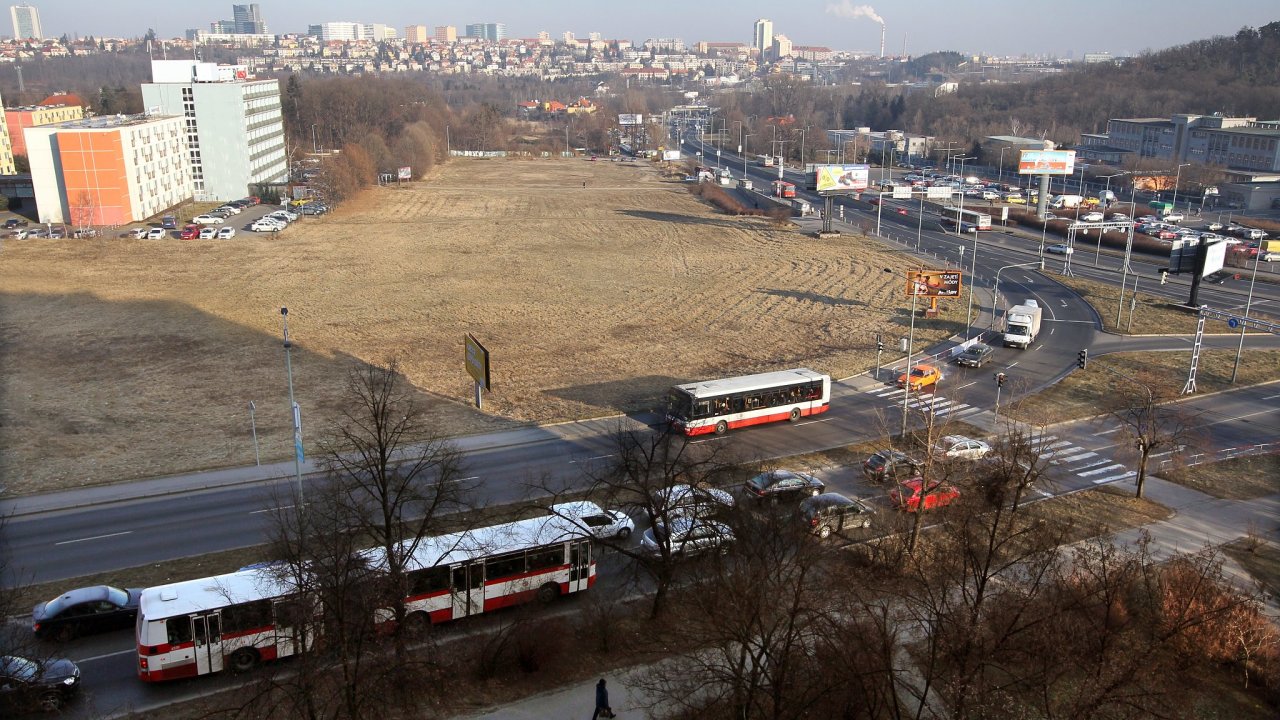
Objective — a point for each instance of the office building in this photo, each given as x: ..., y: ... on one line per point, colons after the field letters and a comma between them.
x: 446, y: 33
x: 338, y: 31
x: 26, y: 22
x: 487, y: 31
x: 21, y: 118
x: 108, y: 170
x: 417, y: 33
x: 248, y: 20
x: 763, y: 42
x: 233, y: 124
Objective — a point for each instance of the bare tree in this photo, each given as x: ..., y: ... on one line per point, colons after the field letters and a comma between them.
x: 1150, y: 423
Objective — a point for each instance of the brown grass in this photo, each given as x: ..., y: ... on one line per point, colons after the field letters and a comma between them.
x: 1098, y: 511
x: 1243, y: 478
x: 1084, y: 393
x: 126, y: 358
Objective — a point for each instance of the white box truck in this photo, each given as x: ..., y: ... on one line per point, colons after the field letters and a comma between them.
x: 1065, y: 201
x: 1022, y: 324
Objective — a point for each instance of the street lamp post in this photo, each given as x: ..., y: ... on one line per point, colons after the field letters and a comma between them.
x: 1247, y: 303
x: 1000, y: 168
x: 744, y: 154
x: 973, y: 261
x: 293, y: 406
x: 314, y: 147
x: 1177, y: 176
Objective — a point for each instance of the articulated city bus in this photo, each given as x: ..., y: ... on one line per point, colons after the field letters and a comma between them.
x: 237, y: 620
x: 720, y: 405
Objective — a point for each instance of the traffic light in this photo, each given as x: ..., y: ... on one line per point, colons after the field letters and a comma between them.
x: 1000, y: 379
x: 879, y: 346
x: 1082, y: 359
x: 1164, y: 276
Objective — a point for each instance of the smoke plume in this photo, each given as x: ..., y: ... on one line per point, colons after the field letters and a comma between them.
x: 848, y: 10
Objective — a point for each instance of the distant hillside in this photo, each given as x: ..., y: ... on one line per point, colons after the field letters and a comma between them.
x: 1238, y: 76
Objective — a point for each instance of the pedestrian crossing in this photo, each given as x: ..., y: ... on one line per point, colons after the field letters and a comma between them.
x: 1063, y: 455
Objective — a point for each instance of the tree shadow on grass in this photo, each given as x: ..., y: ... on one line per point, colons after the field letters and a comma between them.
x: 681, y: 219
x: 813, y: 297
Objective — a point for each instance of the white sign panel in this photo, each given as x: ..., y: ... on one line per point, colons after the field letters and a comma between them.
x: 901, y: 192
x: 630, y: 119
x: 939, y: 193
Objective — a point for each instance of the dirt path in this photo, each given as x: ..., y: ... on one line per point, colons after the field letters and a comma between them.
x: 127, y: 358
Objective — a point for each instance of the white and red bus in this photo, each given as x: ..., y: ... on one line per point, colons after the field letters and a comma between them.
x: 783, y: 189
x: 237, y: 620
x: 967, y: 218
x: 720, y: 405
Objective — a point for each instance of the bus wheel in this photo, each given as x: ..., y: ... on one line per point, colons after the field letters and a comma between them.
x: 548, y: 593
x: 722, y: 427
x: 243, y: 660
x: 795, y: 414
x: 416, y: 625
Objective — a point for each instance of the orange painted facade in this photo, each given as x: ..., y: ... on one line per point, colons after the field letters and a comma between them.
x: 19, y: 118
x: 94, y: 175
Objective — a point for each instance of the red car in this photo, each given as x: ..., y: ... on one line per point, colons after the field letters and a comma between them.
x: 907, y: 495
x: 190, y: 232
x: 902, y: 211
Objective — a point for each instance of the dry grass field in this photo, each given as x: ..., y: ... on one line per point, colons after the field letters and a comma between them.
x: 124, y: 359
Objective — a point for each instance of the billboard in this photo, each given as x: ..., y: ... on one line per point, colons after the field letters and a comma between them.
x: 477, y: 359
x: 901, y: 192
x: 404, y: 173
x: 629, y: 119
x: 1047, y: 162
x: 670, y: 154
x: 841, y: 178
x: 933, y: 283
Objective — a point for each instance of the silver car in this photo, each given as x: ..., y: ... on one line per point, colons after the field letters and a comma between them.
x: 682, y: 499
x: 686, y: 536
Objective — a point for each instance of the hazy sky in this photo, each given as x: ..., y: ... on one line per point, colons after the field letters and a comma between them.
x: 974, y: 26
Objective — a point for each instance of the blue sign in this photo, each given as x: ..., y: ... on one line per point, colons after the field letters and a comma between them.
x: 1233, y: 323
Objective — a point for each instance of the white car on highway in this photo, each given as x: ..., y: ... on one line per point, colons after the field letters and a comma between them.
x: 1091, y: 217
x: 1059, y: 249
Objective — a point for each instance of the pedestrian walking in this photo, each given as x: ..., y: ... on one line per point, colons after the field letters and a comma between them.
x: 602, y: 702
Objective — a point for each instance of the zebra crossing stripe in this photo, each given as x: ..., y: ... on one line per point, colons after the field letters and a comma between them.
x: 968, y: 411
x: 887, y: 393
x: 1113, y: 478
x: 1099, y: 471
x: 1095, y: 464
x: 1074, y: 458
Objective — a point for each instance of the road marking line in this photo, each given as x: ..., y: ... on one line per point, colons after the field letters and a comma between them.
x: 1074, y: 458
x: 809, y: 422
x: 95, y: 537
x: 1094, y: 464
x: 1106, y: 432
x: 571, y: 462
x: 108, y: 655
x: 1109, y: 468
x: 1113, y: 478
x: 266, y: 510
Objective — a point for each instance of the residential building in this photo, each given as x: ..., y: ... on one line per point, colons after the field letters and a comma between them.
x: 341, y: 31
x: 248, y: 20
x: 108, y: 170
x: 417, y: 34
x: 763, y: 35
x: 446, y: 33
x: 20, y: 118
x: 492, y: 32
x: 26, y: 22
x: 233, y: 124
x: 781, y: 46
x: 6, y: 148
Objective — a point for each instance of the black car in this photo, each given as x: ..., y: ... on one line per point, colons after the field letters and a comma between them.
x: 86, y: 610
x: 779, y: 483
x: 37, y: 684
x: 834, y: 513
x: 890, y: 465
x: 1218, y: 277
x: 975, y: 355
x: 12, y: 223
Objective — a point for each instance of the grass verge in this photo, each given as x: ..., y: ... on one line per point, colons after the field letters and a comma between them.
x: 1242, y: 478
x: 1084, y: 393
x: 1260, y: 559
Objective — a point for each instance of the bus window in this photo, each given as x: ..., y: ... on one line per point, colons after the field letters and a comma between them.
x: 246, y: 616
x: 551, y: 557
x: 178, y: 630
x: 430, y: 580
x: 504, y: 565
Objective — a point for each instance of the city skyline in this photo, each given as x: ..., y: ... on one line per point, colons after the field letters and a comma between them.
x: 1000, y: 27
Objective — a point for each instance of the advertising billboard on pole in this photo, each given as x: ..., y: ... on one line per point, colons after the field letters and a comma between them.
x: 1047, y: 162
x: 933, y: 283
x: 477, y: 360
x: 841, y: 178
x: 630, y: 119
x: 670, y: 155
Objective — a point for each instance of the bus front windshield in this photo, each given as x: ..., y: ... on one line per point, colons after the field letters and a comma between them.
x: 679, y: 405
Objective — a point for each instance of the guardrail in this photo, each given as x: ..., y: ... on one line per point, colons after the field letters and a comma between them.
x: 1268, y: 448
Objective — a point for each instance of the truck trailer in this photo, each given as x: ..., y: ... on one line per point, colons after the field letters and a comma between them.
x: 1022, y: 324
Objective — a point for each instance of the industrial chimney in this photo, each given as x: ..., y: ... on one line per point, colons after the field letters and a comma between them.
x: 881, y: 41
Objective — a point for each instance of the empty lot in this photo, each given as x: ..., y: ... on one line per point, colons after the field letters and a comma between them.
x: 125, y: 359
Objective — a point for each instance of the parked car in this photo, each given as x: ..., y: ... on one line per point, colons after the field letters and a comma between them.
x: 27, y: 684
x: 157, y: 233
x: 262, y: 226
x: 57, y: 232
x: 19, y: 234
x: 834, y: 513
x: 1091, y: 217
x: 84, y: 233
x: 976, y: 355
x: 37, y: 232
x: 1270, y: 257
x: 1174, y: 218
x: 597, y: 521
x: 921, y: 376
x: 207, y: 220
x: 1218, y: 277
x: 889, y: 465
x: 208, y: 233
x: 135, y: 233
x: 960, y: 447
x: 253, y: 200
x: 682, y: 499
x: 279, y: 216
x: 1118, y: 217
x: 686, y: 536
x: 1214, y: 226
x: 12, y: 223
x: 907, y: 495
x: 169, y: 222
x: 288, y: 215
x: 1059, y: 249
x: 86, y: 610
x: 782, y: 483
x: 190, y: 232
x: 230, y: 209
x: 226, y: 232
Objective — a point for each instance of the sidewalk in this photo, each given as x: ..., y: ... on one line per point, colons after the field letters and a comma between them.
x: 1199, y: 519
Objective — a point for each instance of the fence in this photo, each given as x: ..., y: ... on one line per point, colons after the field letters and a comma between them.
x: 1269, y: 448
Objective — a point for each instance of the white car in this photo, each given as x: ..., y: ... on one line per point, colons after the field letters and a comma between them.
x: 681, y: 499
x: 1091, y: 217
x: 286, y: 214
x: 266, y: 226
x: 207, y: 220
x: 1214, y: 226
x: 208, y: 233
x: 600, y: 523
x: 280, y: 217
x: 1174, y: 218
x: 962, y: 448
x: 230, y: 209
x: 157, y: 234
x: 19, y: 234
x: 1119, y: 217
x: 1059, y: 249
x: 226, y: 233
x: 1270, y: 257
x: 138, y: 233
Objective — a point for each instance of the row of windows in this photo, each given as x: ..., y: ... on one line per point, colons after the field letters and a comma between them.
x: 286, y: 612
x: 435, y: 579
x: 773, y: 397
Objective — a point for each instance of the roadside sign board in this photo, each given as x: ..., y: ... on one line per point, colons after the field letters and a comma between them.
x: 841, y: 178
x: 1047, y: 162
x: 939, y: 193
x: 477, y: 359
x: 933, y: 283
